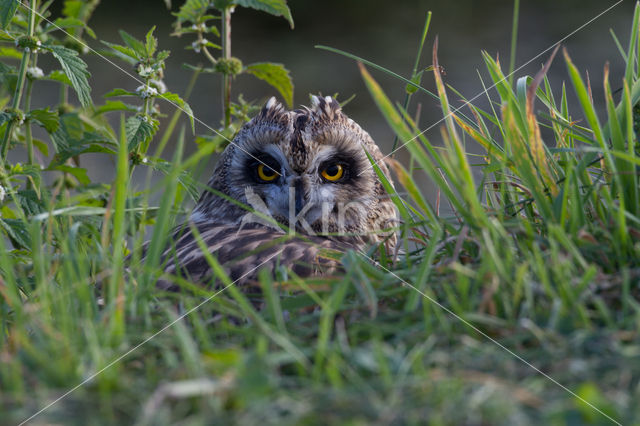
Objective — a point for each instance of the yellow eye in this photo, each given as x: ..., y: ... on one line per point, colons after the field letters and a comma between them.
x: 333, y: 173
x: 266, y: 173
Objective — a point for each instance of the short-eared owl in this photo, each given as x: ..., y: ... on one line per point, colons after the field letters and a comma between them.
x: 291, y: 184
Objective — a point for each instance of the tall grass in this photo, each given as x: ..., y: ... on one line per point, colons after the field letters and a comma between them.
x: 540, y: 253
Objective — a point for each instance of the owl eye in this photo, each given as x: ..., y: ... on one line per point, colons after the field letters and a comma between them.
x: 333, y: 172
x: 266, y: 173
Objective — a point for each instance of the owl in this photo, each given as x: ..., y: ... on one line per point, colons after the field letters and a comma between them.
x: 291, y: 189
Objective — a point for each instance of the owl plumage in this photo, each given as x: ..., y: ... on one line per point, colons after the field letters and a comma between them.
x: 290, y: 186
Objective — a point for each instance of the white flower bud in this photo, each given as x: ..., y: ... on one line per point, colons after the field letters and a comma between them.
x: 146, y: 91
x: 158, y: 84
x: 35, y: 72
x: 145, y: 71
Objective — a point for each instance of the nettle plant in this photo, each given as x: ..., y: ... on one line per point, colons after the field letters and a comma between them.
x: 44, y: 183
x: 199, y: 18
x: 28, y: 32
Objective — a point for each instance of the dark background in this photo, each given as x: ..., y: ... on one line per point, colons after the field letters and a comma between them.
x: 384, y: 32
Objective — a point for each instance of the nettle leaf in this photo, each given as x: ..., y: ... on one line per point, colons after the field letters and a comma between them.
x: 136, y: 45
x: 58, y: 76
x: 47, y: 119
x: 110, y: 106
x: 4, y: 117
x: 42, y: 146
x: 17, y: 232
x: 64, y: 23
x: 69, y: 133
x: 139, y: 130
x: 119, y: 92
x: 273, y: 7
x: 31, y: 171
x: 222, y: 4
x: 276, y: 75
x: 192, y: 10
x: 71, y: 140
x: 7, y: 10
x: 77, y: 172
x: 72, y: 151
x: 151, y: 43
x: 162, y: 55
x: 123, y: 52
x: 180, y: 103
x: 72, y: 8
x: 76, y: 69
x: 10, y: 52
x: 70, y: 24
x: 30, y: 201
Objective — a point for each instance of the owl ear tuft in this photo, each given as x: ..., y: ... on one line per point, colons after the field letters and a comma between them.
x: 325, y: 107
x: 271, y: 110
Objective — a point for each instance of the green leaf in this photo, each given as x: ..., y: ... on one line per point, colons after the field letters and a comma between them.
x: 30, y: 201
x: 136, y: 45
x: 64, y: 23
x: 192, y: 10
x: 72, y: 151
x: 276, y: 75
x: 139, y: 130
x: 72, y: 8
x: 123, y: 52
x: 76, y: 69
x: 114, y: 106
x: 222, y: 4
x: 10, y: 52
x: 42, y: 147
x: 7, y: 10
x: 71, y: 140
x: 47, y: 119
x: 17, y: 232
x: 151, y: 43
x: 77, y: 172
x: 180, y: 103
x: 31, y: 171
x: 58, y: 76
x: 119, y: 92
x: 273, y: 7
x: 4, y: 117
x: 70, y: 132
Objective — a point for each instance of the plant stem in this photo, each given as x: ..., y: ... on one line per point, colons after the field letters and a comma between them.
x: 20, y: 84
x: 27, y: 108
x: 226, y: 54
x: 28, y: 135
x: 514, y: 39
x: 16, y: 102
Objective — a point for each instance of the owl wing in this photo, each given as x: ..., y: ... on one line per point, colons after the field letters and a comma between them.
x: 243, y: 252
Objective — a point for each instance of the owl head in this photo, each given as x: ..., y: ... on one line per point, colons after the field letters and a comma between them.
x: 307, y: 169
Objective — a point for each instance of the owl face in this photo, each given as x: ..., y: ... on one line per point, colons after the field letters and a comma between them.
x: 308, y: 169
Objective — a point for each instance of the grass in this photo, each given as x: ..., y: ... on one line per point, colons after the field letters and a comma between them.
x: 540, y: 255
